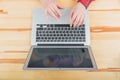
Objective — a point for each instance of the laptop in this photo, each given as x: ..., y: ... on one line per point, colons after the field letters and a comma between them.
x: 57, y: 46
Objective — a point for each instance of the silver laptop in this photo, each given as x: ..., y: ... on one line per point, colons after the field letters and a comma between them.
x: 57, y: 46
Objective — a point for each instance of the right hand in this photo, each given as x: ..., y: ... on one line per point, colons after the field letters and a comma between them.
x: 51, y: 8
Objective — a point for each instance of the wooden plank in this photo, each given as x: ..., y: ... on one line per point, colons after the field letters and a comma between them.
x: 66, y: 75
x: 13, y: 55
x: 113, y: 4
x: 105, y: 36
x: 15, y: 22
x: 106, y: 53
x: 107, y: 70
x: 15, y: 35
x: 118, y: 75
x: 14, y: 48
x: 15, y: 40
x: 3, y: 12
x: 16, y: 66
x: 19, y: 29
x: 105, y: 5
x: 104, y: 29
x: 16, y: 61
x: 103, y: 18
x: 97, y: 18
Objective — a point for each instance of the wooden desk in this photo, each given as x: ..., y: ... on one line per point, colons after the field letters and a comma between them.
x: 15, y: 38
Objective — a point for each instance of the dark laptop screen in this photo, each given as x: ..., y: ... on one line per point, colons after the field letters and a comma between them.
x: 60, y: 58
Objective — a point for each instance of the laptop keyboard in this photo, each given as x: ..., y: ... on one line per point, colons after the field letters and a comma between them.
x: 60, y: 33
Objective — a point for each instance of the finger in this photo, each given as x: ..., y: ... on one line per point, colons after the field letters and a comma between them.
x: 76, y: 21
x: 73, y: 19
x: 51, y: 13
x: 71, y: 15
x: 46, y: 14
x: 70, y: 22
x: 81, y: 21
x: 57, y: 11
x: 60, y: 6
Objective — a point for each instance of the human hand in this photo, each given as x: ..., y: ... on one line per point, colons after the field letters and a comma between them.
x: 77, y: 15
x: 51, y: 8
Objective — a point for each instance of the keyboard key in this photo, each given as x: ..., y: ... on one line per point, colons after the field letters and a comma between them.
x: 56, y: 37
x: 59, y: 37
x: 38, y: 38
x: 52, y: 37
x: 45, y: 37
x: 53, y: 31
x: 63, y: 38
x: 39, y: 29
x: 49, y: 37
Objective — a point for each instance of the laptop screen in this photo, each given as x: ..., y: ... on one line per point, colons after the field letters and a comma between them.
x: 60, y: 58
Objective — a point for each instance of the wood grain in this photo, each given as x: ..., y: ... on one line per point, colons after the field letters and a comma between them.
x: 15, y: 41
x: 12, y: 61
x: 59, y: 75
x: 16, y: 55
x: 92, y: 29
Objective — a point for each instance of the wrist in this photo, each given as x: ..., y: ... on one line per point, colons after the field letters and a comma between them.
x: 81, y: 5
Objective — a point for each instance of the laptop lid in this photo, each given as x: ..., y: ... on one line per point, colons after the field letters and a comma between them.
x: 60, y: 58
x: 39, y: 18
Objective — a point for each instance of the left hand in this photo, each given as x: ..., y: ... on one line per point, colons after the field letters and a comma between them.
x: 77, y: 15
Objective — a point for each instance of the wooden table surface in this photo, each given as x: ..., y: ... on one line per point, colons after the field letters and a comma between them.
x: 15, y: 38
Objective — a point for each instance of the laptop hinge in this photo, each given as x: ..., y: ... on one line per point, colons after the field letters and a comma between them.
x: 60, y: 44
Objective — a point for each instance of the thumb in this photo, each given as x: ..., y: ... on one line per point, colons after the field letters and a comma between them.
x: 60, y: 6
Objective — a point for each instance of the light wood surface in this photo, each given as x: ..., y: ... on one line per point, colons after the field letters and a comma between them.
x: 15, y: 38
